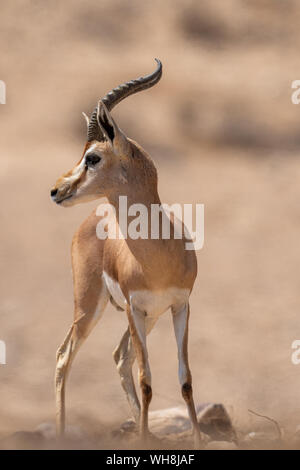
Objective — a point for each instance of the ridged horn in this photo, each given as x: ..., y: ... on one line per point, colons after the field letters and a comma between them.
x: 118, y: 94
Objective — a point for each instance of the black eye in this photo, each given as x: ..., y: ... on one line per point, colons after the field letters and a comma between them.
x: 92, y: 159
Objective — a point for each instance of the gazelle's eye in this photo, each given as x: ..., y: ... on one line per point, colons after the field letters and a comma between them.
x: 92, y: 159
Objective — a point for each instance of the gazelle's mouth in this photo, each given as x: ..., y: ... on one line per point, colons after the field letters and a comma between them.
x: 64, y: 199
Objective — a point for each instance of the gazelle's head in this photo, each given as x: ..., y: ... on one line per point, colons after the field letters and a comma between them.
x: 107, y: 157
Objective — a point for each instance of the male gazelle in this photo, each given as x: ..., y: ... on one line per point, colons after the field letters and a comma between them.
x: 145, y: 277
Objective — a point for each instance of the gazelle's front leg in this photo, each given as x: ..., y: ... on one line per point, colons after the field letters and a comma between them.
x: 82, y: 326
x: 90, y: 299
x: 88, y: 311
x: 137, y: 326
x: 180, y: 320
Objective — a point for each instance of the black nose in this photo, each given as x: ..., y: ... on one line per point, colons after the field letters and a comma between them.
x: 53, y: 192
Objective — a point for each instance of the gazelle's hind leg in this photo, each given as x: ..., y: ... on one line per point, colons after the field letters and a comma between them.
x: 138, y: 330
x: 124, y: 357
x: 180, y: 320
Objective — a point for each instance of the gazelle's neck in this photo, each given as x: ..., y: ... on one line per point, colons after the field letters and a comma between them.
x: 140, y: 189
x: 140, y: 180
x: 135, y: 201
x: 146, y: 197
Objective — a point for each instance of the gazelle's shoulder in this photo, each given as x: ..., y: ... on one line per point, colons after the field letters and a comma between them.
x: 87, y: 230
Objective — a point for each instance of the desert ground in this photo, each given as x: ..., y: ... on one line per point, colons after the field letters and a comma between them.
x: 222, y: 131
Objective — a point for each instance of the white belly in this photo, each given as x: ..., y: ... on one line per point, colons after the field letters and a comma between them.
x: 154, y: 303
x: 115, y: 290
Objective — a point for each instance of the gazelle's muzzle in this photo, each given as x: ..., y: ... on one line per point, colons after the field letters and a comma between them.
x: 58, y: 195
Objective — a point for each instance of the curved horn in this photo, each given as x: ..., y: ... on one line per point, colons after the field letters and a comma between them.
x: 118, y: 94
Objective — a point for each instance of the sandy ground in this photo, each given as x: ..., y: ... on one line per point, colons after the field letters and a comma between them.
x: 222, y: 131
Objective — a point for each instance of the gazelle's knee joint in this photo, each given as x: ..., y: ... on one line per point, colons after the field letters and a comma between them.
x: 186, y: 391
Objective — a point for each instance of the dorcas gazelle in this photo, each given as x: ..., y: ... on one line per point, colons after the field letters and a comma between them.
x: 144, y: 277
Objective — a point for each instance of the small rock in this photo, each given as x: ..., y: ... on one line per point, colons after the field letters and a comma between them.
x: 259, y: 436
x: 221, y: 445
x: 214, y: 421
x: 261, y: 440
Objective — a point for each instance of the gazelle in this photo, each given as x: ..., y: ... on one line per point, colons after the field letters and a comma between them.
x: 145, y: 277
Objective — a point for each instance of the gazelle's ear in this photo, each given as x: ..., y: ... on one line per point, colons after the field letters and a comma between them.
x: 111, y: 131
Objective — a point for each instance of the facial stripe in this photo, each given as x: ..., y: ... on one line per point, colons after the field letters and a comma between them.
x: 89, y: 150
x: 78, y: 170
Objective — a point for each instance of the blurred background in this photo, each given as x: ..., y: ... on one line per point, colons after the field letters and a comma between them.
x: 222, y: 131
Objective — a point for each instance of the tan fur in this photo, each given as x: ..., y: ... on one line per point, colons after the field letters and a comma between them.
x: 150, y: 266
